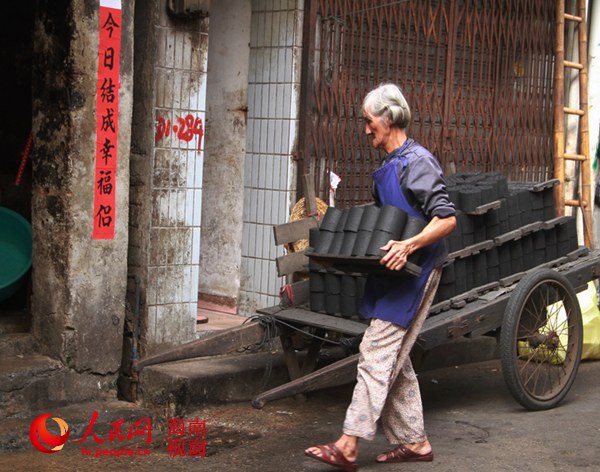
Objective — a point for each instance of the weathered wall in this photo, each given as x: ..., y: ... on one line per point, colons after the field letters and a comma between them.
x: 78, y: 283
x: 166, y: 179
x: 227, y: 106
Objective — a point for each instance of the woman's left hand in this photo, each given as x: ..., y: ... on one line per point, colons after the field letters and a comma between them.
x: 397, y: 254
x: 398, y: 251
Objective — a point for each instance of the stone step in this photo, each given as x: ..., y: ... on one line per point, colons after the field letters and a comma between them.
x: 28, y: 381
x: 181, y: 386
x: 31, y: 382
x: 13, y: 321
x: 14, y: 344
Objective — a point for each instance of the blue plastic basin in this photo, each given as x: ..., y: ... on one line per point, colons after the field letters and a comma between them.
x: 15, y: 251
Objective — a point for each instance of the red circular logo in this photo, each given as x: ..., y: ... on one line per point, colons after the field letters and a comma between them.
x: 44, y: 440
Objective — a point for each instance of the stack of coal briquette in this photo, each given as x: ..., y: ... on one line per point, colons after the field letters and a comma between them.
x: 504, y: 228
x: 353, y: 232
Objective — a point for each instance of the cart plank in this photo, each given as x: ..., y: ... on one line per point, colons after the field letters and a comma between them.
x: 290, y: 263
x: 338, y: 373
x: 296, y: 294
x: 291, y: 232
x: 317, y: 320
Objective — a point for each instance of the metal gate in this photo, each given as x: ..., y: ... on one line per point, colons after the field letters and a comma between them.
x: 477, y: 75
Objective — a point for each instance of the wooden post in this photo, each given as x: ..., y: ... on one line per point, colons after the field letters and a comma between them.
x: 310, y: 200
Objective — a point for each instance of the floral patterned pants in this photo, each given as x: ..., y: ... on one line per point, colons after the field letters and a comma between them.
x: 387, y: 387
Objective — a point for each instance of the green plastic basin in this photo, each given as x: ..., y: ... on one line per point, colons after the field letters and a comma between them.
x: 15, y: 251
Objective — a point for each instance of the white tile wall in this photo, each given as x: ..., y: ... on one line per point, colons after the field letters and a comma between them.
x: 272, y: 119
x: 174, y: 252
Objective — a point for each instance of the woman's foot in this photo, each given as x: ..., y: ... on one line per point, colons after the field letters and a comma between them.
x: 340, y: 454
x: 416, y: 452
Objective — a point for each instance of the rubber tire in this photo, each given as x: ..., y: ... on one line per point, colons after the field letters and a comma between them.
x: 509, y: 337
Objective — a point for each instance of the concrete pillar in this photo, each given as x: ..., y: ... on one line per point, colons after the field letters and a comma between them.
x: 166, y: 176
x: 223, y: 182
x: 78, y: 283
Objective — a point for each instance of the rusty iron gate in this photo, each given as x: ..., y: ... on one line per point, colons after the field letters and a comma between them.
x: 477, y: 73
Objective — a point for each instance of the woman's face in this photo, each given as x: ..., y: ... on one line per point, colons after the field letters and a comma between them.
x: 377, y: 130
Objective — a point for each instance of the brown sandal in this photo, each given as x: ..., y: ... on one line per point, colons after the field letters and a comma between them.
x: 404, y: 454
x: 330, y: 454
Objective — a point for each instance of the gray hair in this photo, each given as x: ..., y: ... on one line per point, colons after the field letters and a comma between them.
x: 388, y: 100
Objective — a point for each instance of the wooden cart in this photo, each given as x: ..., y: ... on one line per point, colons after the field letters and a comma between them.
x: 536, y: 315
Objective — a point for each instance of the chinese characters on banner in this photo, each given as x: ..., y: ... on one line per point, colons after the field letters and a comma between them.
x: 107, y: 119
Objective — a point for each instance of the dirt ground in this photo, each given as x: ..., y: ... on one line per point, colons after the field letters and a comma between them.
x: 472, y: 421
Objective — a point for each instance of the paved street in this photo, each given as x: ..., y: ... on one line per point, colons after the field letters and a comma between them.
x: 472, y: 421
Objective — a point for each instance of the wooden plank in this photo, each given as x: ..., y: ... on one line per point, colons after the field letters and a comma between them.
x: 363, y: 264
x: 481, y: 316
x: 222, y: 342
x: 480, y: 210
x: 290, y: 263
x: 297, y: 294
x: 538, y: 187
x: 510, y: 236
x: 310, y: 198
x: 440, y: 329
x: 338, y: 373
x: 471, y: 250
x: 270, y: 310
x: 583, y: 273
x: 291, y: 359
x: 319, y: 320
x: 310, y: 361
x: 293, y: 231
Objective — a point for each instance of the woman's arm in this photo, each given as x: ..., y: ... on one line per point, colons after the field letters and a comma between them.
x: 398, y: 251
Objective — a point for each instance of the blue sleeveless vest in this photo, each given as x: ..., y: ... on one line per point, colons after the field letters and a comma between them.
x: 396, y: 299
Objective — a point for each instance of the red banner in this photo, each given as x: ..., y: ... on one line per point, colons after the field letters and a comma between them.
x: 107, y: 120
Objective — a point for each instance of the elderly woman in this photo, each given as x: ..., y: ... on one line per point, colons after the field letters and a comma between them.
x: 387, y: 388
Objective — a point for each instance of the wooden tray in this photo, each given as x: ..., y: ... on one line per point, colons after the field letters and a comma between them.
x: 363, y: 264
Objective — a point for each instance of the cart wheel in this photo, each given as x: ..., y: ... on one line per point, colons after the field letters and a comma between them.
x: 541, y: 339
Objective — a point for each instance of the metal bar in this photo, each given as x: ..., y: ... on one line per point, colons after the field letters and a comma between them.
x: 448, y: 92
x: 306, y: 85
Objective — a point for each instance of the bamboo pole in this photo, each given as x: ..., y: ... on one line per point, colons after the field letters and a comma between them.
x: 584, y: 135
x: 559, y: 100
